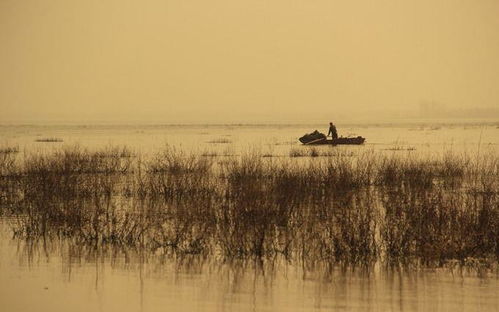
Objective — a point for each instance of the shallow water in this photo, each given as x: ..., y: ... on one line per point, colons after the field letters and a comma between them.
x: 59, y: 276
x: 52, y: 277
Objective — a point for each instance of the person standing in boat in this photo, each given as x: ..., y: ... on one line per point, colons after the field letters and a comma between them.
x: 332, y: 131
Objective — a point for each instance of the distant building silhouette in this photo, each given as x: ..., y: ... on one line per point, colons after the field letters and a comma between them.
x: 432, y: 109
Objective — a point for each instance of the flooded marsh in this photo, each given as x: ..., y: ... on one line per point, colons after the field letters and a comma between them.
x: 371, y: 221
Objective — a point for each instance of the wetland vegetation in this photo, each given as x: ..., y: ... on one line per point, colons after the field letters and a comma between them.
x: 341, y: 207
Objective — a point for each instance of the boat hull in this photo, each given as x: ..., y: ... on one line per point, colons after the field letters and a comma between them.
x: 339, y: 141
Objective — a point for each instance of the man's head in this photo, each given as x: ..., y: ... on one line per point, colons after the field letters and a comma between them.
x: 330, y: 123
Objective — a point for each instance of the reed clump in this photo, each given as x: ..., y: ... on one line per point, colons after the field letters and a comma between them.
x: 437, y: 226
x: 220, y: 141
x: 6, y: 149
x: 177, y: 162
x: 297, y: 152
x: 49, y: 140
x: 8, y: 164
x: 341, y: 208
x: 318, y: 152
x: 310, y: 152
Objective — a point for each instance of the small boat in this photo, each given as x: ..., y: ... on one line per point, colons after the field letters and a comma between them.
x: 339, y: 141
x: 317, y: 138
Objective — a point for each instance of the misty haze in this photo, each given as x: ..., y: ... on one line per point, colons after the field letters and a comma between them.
x: 249, y: 155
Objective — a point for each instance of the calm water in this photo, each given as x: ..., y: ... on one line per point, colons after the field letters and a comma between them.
x: 53, y: 277
x: 274, y: 139
x: 58, y: 276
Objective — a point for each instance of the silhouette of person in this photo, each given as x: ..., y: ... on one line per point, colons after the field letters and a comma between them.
x: 332, y: 131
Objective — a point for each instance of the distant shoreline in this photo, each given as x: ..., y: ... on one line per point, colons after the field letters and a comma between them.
x: 409, y: 123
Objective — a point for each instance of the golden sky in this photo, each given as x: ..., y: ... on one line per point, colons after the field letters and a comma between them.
x: 242, y: 61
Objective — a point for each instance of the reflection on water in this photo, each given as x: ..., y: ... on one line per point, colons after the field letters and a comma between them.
x: 59, y: 276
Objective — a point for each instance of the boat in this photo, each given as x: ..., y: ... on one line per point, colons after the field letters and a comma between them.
x: 317, y: 138
x: 339, y: 141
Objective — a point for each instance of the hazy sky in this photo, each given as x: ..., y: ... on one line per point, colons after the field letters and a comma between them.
x: 242, y: 60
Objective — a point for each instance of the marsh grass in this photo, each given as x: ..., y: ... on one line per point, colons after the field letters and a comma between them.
x: 338, y: 208
x: 313, y: 151
x: 309, y: 152
x: 8, y: 159
x: 49, y: 140
x: 217, y: 153
x: 297, y: 152
x: 401, y: 148
x: 6, y: 149
x: 220, y: 141
x: 437, y: 227
x: 210, y: 154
